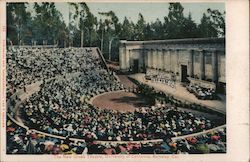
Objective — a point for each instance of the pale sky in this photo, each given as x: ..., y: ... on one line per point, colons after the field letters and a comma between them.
x: 150, y: 11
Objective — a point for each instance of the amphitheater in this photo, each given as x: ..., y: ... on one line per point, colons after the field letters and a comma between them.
x: 67, y: 101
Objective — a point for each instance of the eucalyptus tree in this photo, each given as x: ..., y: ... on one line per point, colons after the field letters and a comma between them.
x: 190, y: 29
x: 212, y: 24
x: 48, y: 24
x: 140, y: 28
x: 85, y: 24
x: 110, y: 33
x: 127, y: 30
x: 19, y: 23
x: 157, y: 30
x: 174, y: 21
x: 218, y: 20
x: 206, y: 27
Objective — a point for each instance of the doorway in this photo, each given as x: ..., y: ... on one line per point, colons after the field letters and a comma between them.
x: 135, y: 66
x: 184, y: 73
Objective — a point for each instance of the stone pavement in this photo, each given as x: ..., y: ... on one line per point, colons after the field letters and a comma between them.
x: 126, y: 82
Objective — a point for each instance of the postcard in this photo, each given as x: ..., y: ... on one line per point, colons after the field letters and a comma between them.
x: 124, y: 80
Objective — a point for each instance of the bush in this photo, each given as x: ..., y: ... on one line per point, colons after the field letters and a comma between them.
x: 202, y: 148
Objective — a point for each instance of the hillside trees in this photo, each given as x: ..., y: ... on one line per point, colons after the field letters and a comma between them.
x: 44, y: 24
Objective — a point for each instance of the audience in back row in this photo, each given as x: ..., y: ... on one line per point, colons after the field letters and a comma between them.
x: 22, y: 141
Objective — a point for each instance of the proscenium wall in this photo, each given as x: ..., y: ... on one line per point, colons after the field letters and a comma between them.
x: 204, y: 57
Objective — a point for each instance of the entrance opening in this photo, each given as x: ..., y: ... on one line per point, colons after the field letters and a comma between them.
x: 184, y: 73
x: 135, y: 67
x: 221, y: 88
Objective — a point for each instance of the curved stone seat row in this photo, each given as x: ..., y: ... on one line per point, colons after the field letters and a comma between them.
x: 117, y: 142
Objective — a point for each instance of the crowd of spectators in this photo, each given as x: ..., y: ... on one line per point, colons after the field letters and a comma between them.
x: 25, y: 141
x: 211, y: 142
x: 201, y: 92
x: 29, y: 65
x: 70, y: 77
x: 88, y: 122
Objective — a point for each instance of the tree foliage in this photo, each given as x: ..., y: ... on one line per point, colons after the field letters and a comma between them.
x: 47, y: 26
x: 18, y: 22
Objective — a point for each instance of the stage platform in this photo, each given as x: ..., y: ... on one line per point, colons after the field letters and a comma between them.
x: 181, y: 92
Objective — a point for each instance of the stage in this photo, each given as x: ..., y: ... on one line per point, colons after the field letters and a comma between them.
x: 181, y: 93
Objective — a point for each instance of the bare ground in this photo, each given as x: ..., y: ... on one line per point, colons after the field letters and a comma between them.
x: 121, y: 101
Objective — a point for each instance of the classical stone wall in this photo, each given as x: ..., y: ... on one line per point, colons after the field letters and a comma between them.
x: 222, y: 67
x: 204, y: 58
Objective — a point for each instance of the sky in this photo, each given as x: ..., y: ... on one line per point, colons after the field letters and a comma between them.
x: 150, y: 11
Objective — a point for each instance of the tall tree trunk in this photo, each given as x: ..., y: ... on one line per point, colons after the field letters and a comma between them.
x: 82, y: 38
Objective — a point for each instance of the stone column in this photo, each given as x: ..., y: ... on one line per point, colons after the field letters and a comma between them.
x: 145, y: 57
x: 121, y: 58
x: 177, y: 65
x: 148, y: 57
x: 128, y: 59
x: 141, y: 59
x: 202, y: 64
x: 158, y: 59
x: 191, y: 65
x: 170, y: 60
x: 155, y: 59
x: 162, y: 59
x: 151, y: 58
x: 174, y: 60
x: 215, y: 66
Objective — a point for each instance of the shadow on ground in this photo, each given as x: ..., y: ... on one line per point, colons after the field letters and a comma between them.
x: 136, y: 101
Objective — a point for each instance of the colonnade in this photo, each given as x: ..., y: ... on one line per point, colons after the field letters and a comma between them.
x: 169, y: 60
